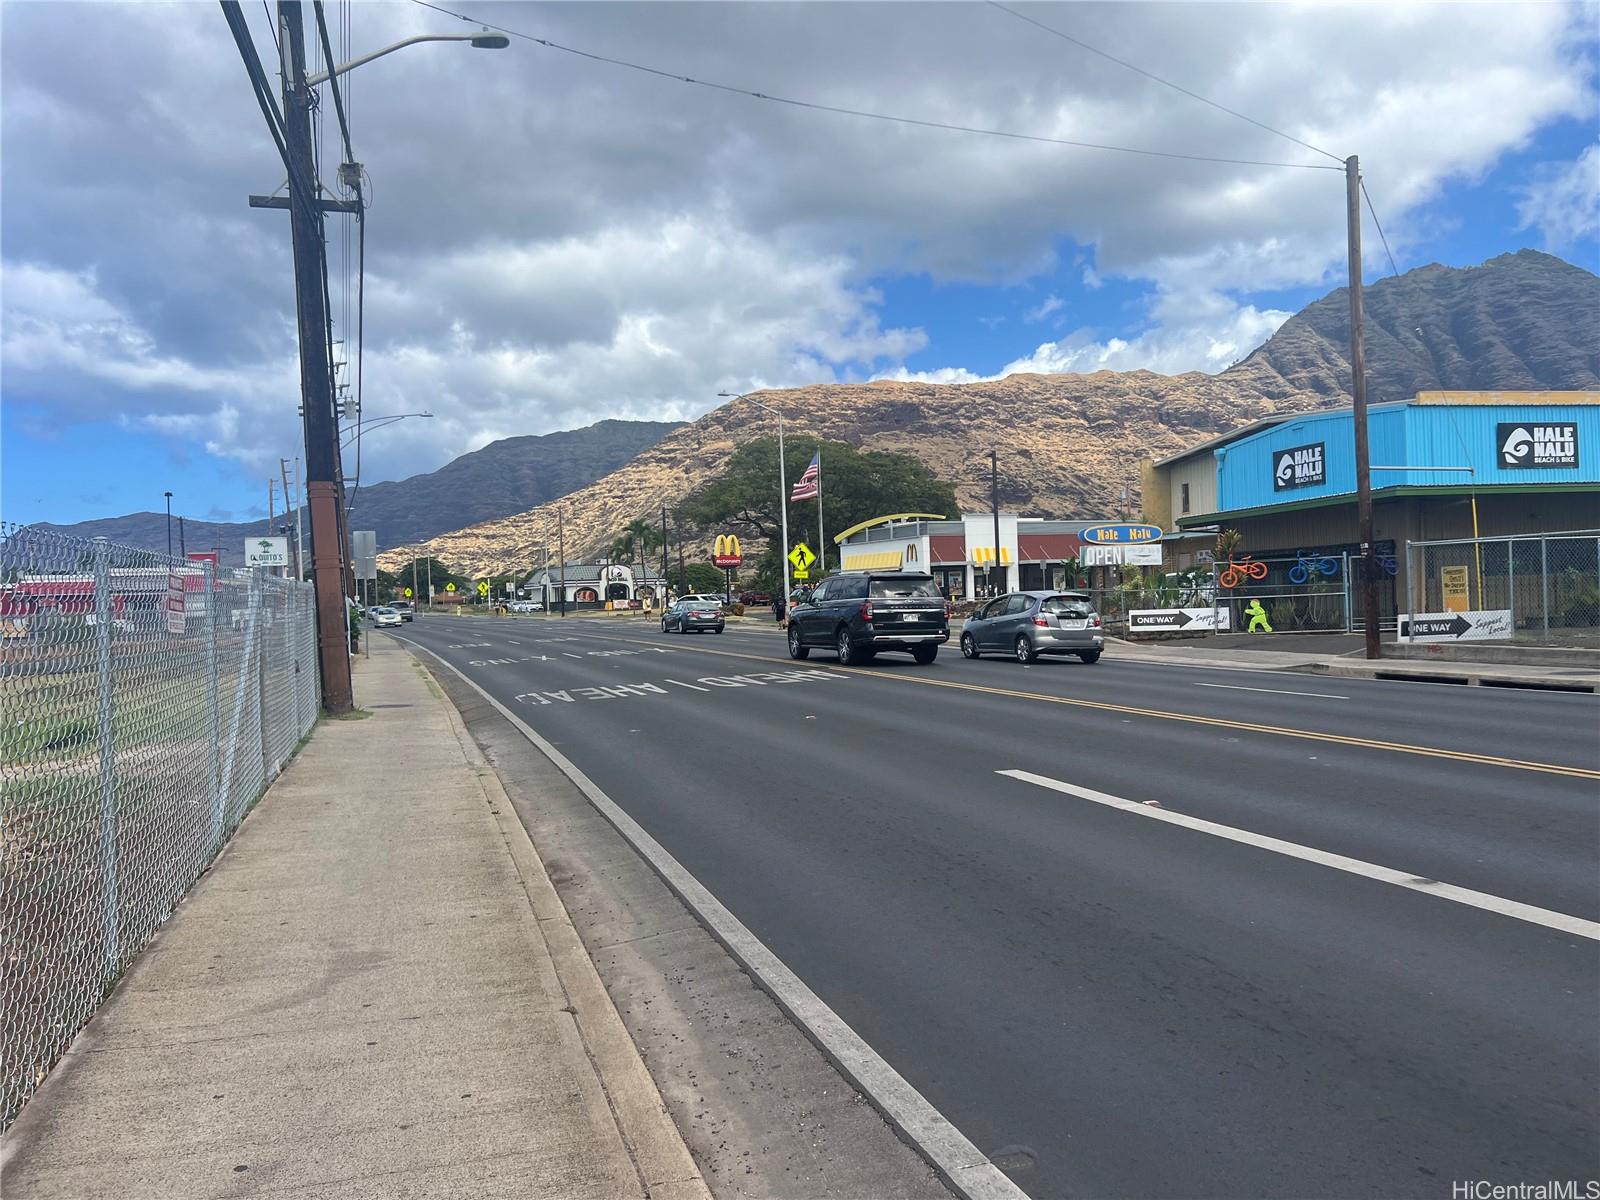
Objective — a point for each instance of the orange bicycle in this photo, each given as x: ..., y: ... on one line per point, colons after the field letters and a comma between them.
x: 1235, y: 573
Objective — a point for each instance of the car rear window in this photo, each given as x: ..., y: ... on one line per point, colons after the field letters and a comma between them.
x: 1067, y: 606
x: 907, y: 588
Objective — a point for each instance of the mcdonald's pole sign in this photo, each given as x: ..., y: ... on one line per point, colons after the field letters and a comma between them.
x: 725, y: 551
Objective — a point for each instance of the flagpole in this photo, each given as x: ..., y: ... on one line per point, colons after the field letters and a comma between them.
x: 822, y: 546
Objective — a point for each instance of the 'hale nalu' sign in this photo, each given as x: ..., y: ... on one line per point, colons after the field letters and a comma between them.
x: 1298, y: 466
x: 1528, y: 444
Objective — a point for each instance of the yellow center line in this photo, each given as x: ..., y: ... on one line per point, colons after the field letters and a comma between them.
x: 1338, y: 739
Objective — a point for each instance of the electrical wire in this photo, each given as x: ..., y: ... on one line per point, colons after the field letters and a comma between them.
x: 1037, y: 24
x: 1394, y: 270
x: 815, y: 106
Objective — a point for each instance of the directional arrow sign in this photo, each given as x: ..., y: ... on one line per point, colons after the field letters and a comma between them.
x: 1488, y: 625
x: 1194, y: 619
x: 801, y: 557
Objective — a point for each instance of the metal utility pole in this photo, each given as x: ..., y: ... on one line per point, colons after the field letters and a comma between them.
x: 168, y: 495
x: 316, y: 377
x: 1358, y: 391
x: 283, y: 470
x: 561, y: 549
x: 664, y: 564
x: 994, y: 502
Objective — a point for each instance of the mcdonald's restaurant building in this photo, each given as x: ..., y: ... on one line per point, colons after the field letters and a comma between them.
x: 961, y: 554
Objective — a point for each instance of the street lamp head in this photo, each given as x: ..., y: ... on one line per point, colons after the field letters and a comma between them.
x: 489, y: 41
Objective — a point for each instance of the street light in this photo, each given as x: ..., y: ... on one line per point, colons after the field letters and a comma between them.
x: 479, y: 41
x: 355, y: 430
x: 168, y: 495
x: 783, y: 491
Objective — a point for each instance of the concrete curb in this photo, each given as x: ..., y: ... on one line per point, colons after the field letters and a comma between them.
x: 662, y: 1159
x: 965, y: 1168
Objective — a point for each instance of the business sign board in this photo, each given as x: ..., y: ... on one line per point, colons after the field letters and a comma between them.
x: 176, y: 608
x: 364, y: 549
x: 1148, y: 555
x: 1191, y: 620
x: 1119, y: 535
x: 1453, y: 583
x: 266, y: 552
x: 1535, y: 445
x: 1493, y: 625
x: 1299, y: 466
x: 725, y: 551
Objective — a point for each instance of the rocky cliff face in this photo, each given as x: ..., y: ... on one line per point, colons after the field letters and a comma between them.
x: 1069, y: 444
x: 1521, y: 321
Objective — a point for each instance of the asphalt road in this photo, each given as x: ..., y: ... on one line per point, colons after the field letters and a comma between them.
x: 1112, y: 1005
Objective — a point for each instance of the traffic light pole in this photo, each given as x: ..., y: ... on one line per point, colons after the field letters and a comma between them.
x: 316, y: 378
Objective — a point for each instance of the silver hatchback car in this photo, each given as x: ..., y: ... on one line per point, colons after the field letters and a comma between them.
x: 1028, y: 624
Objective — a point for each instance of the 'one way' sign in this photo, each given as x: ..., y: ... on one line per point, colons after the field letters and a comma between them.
x: 1484, y: 626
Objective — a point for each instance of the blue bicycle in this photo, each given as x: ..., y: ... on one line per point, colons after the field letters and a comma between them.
x: 1310, y: 564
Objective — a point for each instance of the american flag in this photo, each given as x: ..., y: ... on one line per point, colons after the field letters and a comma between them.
x: 810, y: 483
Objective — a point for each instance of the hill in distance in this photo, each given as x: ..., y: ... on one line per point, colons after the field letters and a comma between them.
x: 505, y: 477
x: 1069, y: 444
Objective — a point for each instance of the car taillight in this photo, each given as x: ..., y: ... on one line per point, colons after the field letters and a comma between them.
x: 948, y: 611
x: 1095, y: 621
x: 866, y: 610
x: 1041, y: 621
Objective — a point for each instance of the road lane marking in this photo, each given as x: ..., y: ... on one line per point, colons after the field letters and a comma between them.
x: 1234, y: 687
x: 1339, y: 862
x: 950, y: 1151
x: 1338, y: 739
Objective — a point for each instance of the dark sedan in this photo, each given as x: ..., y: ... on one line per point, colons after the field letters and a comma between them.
x: 694, y: 614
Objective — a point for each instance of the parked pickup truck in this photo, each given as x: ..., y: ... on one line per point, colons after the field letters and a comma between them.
x: 858, y: 613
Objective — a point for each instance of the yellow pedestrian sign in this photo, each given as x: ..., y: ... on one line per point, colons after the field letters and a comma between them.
x: 483, y: 587
x: 801, y: 573
x: 802, y: 558
x: 449, y: 587
x: 408, y: 593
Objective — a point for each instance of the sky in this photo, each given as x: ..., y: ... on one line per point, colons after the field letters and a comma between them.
x: 553, y: 239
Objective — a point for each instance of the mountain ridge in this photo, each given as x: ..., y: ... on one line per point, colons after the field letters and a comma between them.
x: 1069, y: 443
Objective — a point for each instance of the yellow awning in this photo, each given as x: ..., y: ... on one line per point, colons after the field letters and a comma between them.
x: 872, y: 562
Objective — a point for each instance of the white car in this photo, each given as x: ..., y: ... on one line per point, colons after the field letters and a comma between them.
x: 703, y: 598
x: 384, y: 616
x: 525, y: 606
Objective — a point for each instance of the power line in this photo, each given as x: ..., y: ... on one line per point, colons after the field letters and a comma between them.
x: 1364, y: 195
x: 815, y: 106
x: 1158, y: 79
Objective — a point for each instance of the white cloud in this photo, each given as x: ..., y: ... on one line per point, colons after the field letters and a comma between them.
x: 1051, y: 304
x: 1562, y: 200
x: 554, y: 241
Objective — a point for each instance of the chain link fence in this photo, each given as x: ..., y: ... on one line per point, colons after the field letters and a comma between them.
x: 145, y: 703
x: 1550, y: 583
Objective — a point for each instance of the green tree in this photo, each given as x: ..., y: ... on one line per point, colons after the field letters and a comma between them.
x: 857, y: 485
x: 695, y: 577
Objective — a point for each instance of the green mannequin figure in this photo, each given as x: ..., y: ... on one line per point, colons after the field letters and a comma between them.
x: 1258, y: 616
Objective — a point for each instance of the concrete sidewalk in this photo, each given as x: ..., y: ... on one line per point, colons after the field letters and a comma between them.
x: 374, y: 992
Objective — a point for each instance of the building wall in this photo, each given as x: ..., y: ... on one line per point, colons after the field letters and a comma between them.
x: 1199, y: 474
x: 1400, y: 435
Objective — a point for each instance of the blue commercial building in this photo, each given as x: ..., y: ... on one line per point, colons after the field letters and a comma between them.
x: 1444, y: 465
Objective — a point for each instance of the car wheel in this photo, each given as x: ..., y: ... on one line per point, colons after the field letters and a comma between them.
x: 663, y: 624
x: 1090, y: 656
x: 796, y: 648
x: 969, y: 645
x: 924, y: 654
x: 848, y: 656
x: 1025, y: 651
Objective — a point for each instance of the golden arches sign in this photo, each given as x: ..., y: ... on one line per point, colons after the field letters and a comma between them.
x: 725, y: 551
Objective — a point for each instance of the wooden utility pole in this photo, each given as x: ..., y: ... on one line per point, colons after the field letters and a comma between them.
x: 1358, y: 391
x: 316, y: 379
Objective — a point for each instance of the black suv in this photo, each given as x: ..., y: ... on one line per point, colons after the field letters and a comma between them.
x: 858, y: 613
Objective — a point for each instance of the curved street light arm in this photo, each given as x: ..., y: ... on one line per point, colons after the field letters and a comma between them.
x: 483, y: 41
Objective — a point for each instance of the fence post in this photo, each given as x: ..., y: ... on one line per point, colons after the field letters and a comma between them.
x: 108, y: 751
x: 1349, y: 625
x: 1544, y: 584
x: 1511, y: 583
x: 258, y: 598
x: 214, y: 702
x: 1412, y: 567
